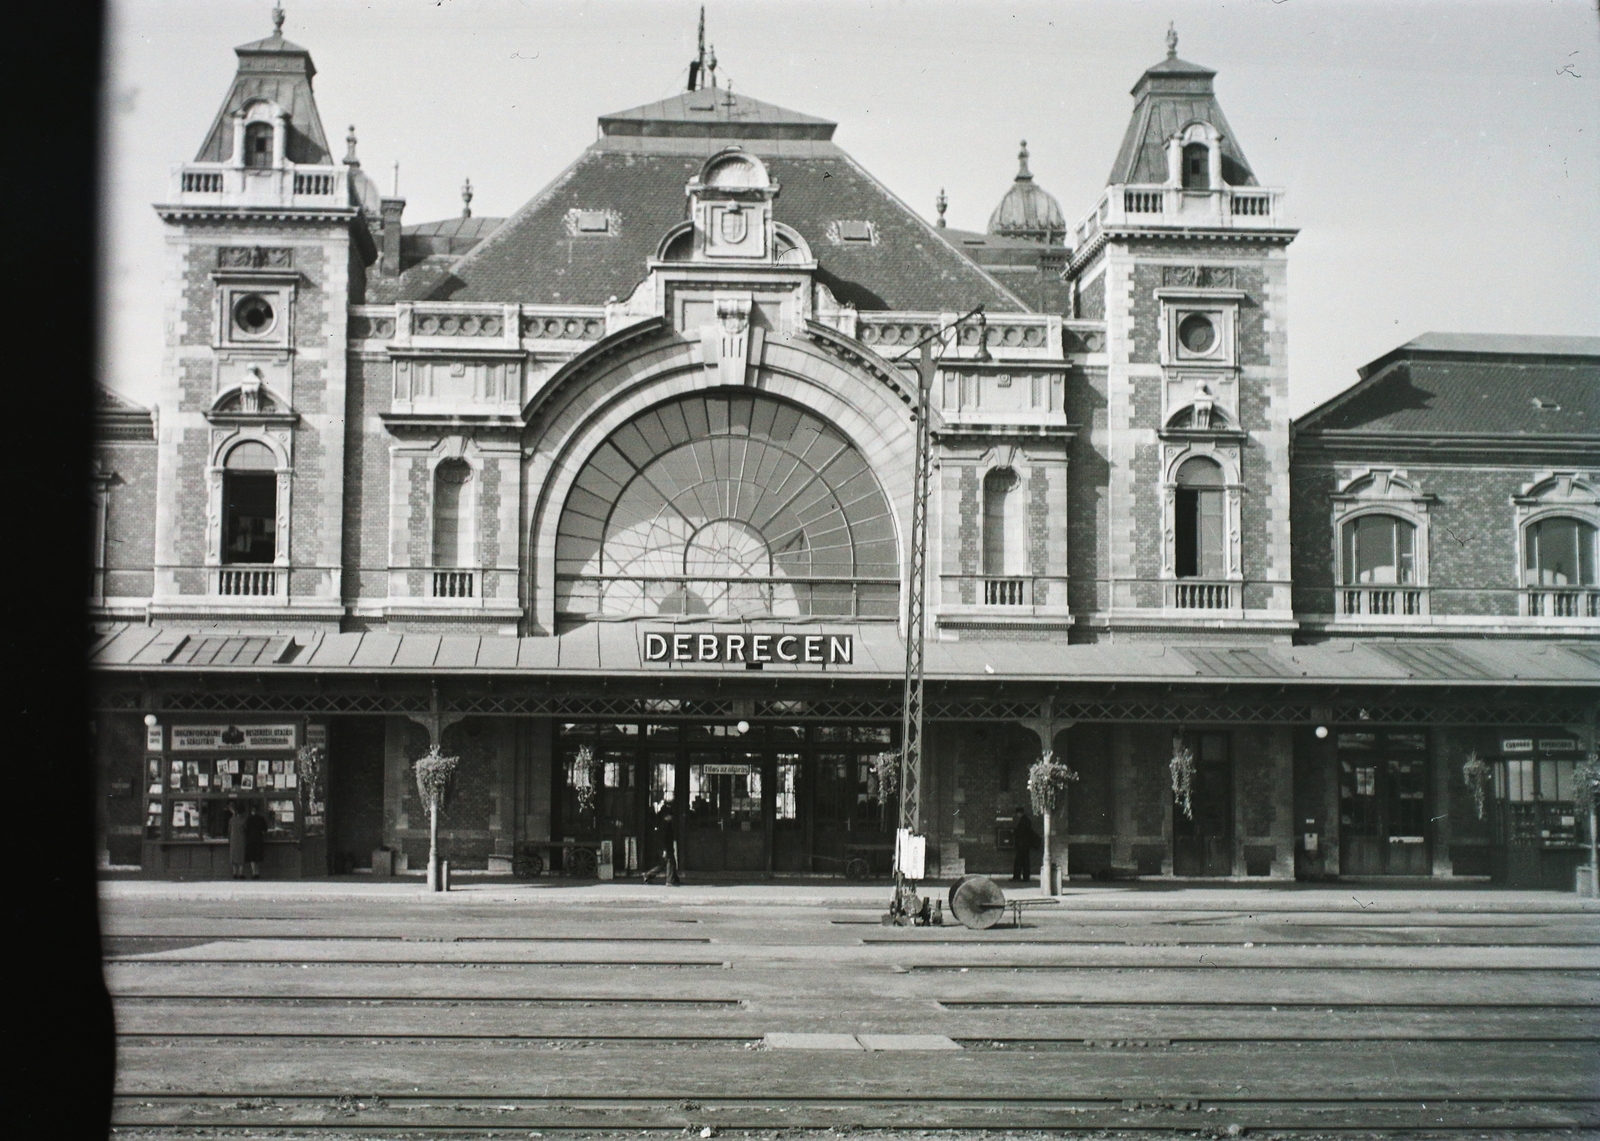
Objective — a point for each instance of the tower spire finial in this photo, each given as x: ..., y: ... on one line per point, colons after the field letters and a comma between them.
x: 277, y: 20
x: 466, y: 199
x: 1023, y: 173
x: 940, y: 204
x: 350, y: 148
x: 1172, y: 40
x: 697, y: 66
x: 397, y: 178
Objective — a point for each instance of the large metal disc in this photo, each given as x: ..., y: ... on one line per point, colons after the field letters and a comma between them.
x: 978, y: 902
x: 951, y: 901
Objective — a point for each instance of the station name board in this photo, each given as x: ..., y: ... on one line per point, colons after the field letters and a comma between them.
x: 222, y: 738
x: 748, y: 648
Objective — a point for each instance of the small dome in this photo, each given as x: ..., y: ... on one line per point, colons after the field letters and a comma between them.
x: 1029, y: 211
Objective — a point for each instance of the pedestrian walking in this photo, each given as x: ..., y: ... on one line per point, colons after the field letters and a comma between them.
x: 255, y: 840
x: 236, y: 838
x: 666, y: 836
x: 1022, y: 838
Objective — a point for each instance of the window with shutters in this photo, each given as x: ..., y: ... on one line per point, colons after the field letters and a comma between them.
x: 1199, y: 531
x: 258, y: 145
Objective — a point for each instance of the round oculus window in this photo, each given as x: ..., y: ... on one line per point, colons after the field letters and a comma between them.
x: 253, y: 315
x: 1197, y: 334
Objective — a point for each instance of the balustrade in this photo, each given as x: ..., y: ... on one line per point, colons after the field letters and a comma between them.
x: 1382, y: 601
x: 1005, y: 591
x: 454, y: 583
x: 247, y: 582
x: 1578, y: 602
x: 1190, y: 595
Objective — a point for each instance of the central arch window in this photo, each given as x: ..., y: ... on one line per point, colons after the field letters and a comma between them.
x: 1560, y: 552
x: 1198, y: 533
x: 727, y: 506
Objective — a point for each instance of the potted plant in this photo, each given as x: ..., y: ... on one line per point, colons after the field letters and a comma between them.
x: 1182, y: 766
x: 1476, y: 771
x: 433, y: 785
x: 1048, y: 781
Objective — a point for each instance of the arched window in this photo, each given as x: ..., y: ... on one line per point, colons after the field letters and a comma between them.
x: 1199, y: 532
x: 1196, y: 166
x: 1002, y: 534
x: 1560, y: 551
x: 249, y: 504
x: 258, y: 145
x: 450, y: 533
x: 1381, y: 550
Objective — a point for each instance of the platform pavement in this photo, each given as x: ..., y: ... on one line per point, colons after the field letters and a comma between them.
x: 803, y: 892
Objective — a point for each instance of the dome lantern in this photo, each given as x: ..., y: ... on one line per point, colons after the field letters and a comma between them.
x: 1028, y: 211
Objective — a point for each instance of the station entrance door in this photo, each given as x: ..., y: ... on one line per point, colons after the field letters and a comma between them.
x: 1383, y: 814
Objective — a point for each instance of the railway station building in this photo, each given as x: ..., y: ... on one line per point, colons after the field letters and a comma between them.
x: 612, y: 499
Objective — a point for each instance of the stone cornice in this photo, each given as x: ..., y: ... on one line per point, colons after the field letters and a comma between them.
x: 1085, y: 254
x: 1445, y: 445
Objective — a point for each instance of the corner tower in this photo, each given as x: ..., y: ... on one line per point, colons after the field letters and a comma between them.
x: 268, y: 245
x: 1184, y: 258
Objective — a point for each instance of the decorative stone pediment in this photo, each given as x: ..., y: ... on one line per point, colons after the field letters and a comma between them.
x: 251, y: 401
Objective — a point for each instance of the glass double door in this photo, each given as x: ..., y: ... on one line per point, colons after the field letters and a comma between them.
x: 1383, y: 813
x: 1202, y: 841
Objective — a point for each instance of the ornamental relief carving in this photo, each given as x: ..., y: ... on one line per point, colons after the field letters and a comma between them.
x: 1197, y: 276
x: 255, y: 257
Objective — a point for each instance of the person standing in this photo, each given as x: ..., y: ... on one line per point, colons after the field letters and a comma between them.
x: 1022, y: 838
x: 667, y: 842
x: 255, y: 840
x: 236, y: 838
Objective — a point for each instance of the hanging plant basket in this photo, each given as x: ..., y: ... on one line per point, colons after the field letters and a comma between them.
x: 886, y: 771
x: 1588, y: 782
x: 1476, y: 772
x: 310, y: 761
x: 1182, y: 765
x: 434, y: 771
x: 586, y: 778
x: 1048, y: 781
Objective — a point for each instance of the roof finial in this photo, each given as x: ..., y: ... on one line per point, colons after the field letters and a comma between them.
x: 277, y: 20
x: 350, y: 148
x: 1023, y: 173
x: 711, y: 63
x: 940, y: 204
x: 466, y: 199
x: 397, y: 178
x: 1172, y: 40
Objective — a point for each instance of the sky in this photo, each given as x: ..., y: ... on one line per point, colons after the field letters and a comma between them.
x: 1441, y: 160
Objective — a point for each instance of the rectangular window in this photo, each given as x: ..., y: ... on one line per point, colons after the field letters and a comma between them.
x: 250, y: 510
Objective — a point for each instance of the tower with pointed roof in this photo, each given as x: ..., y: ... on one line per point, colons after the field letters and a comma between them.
x: 270, y: 239
x: 1184, y: 259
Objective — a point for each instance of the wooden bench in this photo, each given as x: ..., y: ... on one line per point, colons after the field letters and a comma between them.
x: 1019, y: 904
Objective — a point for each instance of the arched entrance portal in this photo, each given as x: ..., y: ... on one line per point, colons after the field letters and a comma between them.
x: 727, y: 504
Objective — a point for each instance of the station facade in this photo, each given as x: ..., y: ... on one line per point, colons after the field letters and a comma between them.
x: 612, y: 499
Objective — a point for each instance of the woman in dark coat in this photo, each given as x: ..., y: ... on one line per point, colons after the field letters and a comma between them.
x: 255, y: 841
x: 236, y: 839
x: 666, y: 837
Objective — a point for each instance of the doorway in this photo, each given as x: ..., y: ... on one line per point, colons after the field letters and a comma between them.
x: 1203, y: 845
x: 1383, y: 813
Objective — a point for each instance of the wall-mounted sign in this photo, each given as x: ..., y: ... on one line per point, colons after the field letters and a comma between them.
x: 744, y: 649
x: 1557, y: 744
x: 725, y: 770
x: 1517, y: 745
x: 225, y: 738
x: 152, y: 738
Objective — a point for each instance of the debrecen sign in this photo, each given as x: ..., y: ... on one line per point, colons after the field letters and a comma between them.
x: 747, y: 648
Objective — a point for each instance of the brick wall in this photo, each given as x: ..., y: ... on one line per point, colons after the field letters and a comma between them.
x: 130, y: 517
x: 1087, y: 560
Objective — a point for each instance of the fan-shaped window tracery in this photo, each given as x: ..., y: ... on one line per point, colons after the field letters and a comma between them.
x: 728, y: 505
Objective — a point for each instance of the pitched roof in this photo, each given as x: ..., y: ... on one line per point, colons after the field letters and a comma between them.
x: 715, y: 112
x: 537, y: 258
x: 450, y: 237
x: 275, y: 69
x: 1472, y: 384
x: 1170, y: 96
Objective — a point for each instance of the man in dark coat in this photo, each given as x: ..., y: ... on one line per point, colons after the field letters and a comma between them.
x: 1023, y: 837
x: 255, y: 841
x: 666, y: 838
x: 236, y: 842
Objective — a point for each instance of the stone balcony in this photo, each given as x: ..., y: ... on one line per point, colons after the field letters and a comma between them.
x: 199, y: 184
x: 1147, y: 206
